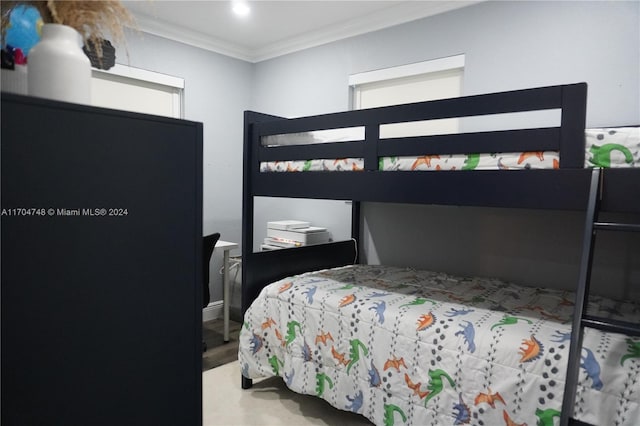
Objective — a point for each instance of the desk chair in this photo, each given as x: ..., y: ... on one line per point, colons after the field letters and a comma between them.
x: 208, y: 244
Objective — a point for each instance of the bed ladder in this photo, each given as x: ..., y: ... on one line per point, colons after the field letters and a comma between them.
x: 581, y: 318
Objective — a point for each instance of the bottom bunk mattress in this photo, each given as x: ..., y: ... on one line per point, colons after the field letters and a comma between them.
x: 402, y: 346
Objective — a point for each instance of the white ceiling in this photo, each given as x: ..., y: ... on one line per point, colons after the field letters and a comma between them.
x: 275, y: 28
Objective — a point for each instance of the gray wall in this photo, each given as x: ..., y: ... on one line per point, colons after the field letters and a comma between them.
x: 507, y: 45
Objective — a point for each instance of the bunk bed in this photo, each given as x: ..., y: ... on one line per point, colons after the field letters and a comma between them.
x: 404, y: 346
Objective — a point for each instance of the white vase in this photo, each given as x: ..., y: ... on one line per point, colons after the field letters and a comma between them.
x: 57, y: 68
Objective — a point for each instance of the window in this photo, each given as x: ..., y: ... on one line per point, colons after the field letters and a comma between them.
x: 423, y: 81
x: 137, y: 90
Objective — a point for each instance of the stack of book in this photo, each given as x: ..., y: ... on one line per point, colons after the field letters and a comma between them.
x: 293, y: 233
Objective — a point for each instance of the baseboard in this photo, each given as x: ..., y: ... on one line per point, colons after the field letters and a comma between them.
x: 213, y: 311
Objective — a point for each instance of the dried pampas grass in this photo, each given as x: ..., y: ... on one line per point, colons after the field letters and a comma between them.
x: 95, y: 20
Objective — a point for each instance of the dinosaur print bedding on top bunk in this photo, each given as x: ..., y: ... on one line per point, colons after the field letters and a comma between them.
x: 408, y: 347
x: 604, y: 147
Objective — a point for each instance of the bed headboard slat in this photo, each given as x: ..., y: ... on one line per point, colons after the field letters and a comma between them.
x: 545, y: 139
x: 573, y: 121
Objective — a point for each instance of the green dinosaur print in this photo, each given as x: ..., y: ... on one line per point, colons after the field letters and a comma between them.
x: 291, y: 331
x: 346, y: 287
x: 419, y: 301
x: 389, y: 411
x: 392, y: 160
x: 275, y: 365
x: 508, y: 320
x: 354, y: 353
x: 307, y: 166
x: 471, y: 162
x: 602, y: 154
x: 633, y: 351
x: 545, y: 418
x: 321, y: 379
x: 435, y: 383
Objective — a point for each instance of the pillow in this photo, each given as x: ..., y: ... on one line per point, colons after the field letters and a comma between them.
x: 612, y: 147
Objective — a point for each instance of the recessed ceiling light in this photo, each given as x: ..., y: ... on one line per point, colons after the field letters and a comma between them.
x: 240, y: 7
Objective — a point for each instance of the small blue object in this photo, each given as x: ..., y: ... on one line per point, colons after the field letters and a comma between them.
x: 25, y: 27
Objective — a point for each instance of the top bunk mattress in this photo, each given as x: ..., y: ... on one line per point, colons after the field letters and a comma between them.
x: 607, y: 147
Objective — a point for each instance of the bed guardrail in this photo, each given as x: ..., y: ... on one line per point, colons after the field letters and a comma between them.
x: 570, y: 99
x: 489, y: 188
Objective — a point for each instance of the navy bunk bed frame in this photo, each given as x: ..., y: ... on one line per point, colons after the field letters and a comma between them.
x: 566, y: 188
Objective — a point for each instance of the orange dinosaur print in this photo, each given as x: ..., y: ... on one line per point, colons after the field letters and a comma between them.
x: 324, y: 337
x: 268, y: 323
x: 489, y: 398
x: 528, y: 154
x: 530, y: 350
x: 508, y: 421
x: 338, y: 160
x: 279, y: 337
x: 338, y: 356
x: 284, y: 287
x: 347, y: 300
x: 556, y: 165
x: 291, y: 169
x: 423, y: 160
x: 425, y: 321
x: 356, y: 168
x: 395, y: 363
x: 415, y: 387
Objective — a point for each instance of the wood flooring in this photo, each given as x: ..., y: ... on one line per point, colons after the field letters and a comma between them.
x: 218, y: 352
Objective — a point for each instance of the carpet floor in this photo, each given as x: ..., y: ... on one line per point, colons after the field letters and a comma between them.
x: 268, y: 403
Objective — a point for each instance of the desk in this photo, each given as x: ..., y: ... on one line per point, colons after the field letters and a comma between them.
x: 226, y: 246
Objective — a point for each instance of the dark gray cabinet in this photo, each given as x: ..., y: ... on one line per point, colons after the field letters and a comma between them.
x: 101, y: 262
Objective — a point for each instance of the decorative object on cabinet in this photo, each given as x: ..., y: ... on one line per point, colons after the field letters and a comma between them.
x: 58, y: 68
x: 108, y: 58
x: 14, y: 71
x: 93, y: 20
x: 21, y: 27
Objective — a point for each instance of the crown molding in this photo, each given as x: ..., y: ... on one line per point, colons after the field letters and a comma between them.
x: 180, y: 34
x: 396, y: 15
x: 402, y: 13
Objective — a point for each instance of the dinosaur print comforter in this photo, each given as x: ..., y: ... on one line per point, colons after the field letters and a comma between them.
x: 408, y: 347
